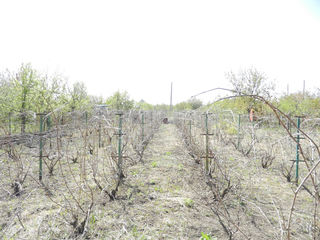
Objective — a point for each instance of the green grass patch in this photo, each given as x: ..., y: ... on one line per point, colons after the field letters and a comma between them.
x: 158, y: 189
x: 205, y: 236
x: 180, y: 167
x: 188, y: 202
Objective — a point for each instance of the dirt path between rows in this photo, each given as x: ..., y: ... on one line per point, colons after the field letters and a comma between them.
x: 162, y: 199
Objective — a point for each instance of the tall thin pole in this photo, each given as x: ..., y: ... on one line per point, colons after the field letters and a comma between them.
x: 304, y: 88
x: 171, y: 98
x: 288, y: 89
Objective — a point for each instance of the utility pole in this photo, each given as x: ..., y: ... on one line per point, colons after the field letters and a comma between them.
x: 171, y: 98
x: 288, y: 89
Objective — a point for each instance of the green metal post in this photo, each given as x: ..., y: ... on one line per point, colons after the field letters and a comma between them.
x: 41, y: 146
x: 239, y: 122
x: 48, y: 122
x: 297, y: 152
x: 120, y: 146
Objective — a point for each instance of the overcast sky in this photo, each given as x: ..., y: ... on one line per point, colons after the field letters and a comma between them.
x: 142, y: 46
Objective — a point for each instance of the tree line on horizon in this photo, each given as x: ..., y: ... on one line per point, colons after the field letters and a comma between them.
x: 28, y: 90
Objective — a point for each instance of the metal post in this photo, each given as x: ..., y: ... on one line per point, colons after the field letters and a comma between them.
x: 297, y: 150
x: 48, y: 122
x: 41, y: 146
x: 239, y: 122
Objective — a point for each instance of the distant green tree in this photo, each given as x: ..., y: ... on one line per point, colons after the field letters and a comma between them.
x: 251, y: 82
x: 78, y: 97
x: 7, y: 102
x: 28, y: 90
x: 52, y: 93
x: 94, y: 100
x: 191, y: 104
x: 297, y: 104
x: 237, y: 105
x: 195, y: 103
x: 183, y: 106
x: 120, y: 101
x: 144, y: 105
x: 161, y: 107
x: 24, y: 91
